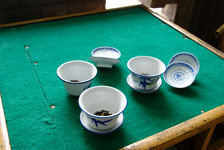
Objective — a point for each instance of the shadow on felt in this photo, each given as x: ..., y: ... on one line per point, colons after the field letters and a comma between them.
x: 73, y: 102
x: 73, y: 108
x: 196, y: 83
x: 109, y: 76
x: 190, y: 91
x: 154, y: 103
x: 185, y: 92
x: 114, y: 140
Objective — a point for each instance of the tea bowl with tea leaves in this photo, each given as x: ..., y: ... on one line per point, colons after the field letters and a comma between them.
x: 76, y: 76
x: 102, y: 108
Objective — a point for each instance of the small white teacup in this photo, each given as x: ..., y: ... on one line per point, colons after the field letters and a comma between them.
x: 145, y: 71
x: 102, y: 98
x: 76, y: 75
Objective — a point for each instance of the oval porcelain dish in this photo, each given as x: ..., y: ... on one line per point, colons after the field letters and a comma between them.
x: 105, y: 56
x: 179, y: 75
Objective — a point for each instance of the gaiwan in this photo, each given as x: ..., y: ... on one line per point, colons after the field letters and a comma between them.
x: 102, y: 109
x: 105, y: 56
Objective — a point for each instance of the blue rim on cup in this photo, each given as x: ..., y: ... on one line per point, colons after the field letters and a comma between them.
x: 187, y: 58
x: 76, y: 76
x: 179, y: 75
x: 145, y: 70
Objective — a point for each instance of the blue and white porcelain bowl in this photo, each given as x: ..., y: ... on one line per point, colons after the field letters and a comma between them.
x: 179, y: 75
x: 187, y: 58
x: 145, y: 71
x: 105, y: 56
x: 100, y: 98
x: 77, y: 76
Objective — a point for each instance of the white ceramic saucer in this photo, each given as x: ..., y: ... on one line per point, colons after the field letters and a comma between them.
x: 187, y: 58
x: 85, y: 124
x: 104, y: 62
x: 154, y: 87
x: 179, y: 75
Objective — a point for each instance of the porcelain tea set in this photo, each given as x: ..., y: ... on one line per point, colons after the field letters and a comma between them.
x: 102, y: 106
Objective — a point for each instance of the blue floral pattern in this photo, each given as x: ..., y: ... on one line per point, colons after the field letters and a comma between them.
x: 179, y: 76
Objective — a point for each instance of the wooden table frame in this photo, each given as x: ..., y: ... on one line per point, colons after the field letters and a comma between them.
x: 204, y: 123
x: 4, y: 137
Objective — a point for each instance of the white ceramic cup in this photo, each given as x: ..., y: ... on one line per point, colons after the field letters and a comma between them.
x: 145, y: 71
x: 102, y: 98
x: 77, y: 76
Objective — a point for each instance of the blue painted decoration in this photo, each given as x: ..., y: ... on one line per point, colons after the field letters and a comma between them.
x: 100, y: 122
x: 179, y: 76
x: 145, y: 81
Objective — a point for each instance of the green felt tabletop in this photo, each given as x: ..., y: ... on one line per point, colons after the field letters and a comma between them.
x: 31, y: 54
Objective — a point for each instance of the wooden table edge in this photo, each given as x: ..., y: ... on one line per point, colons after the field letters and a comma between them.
x: 157, y: 141
x: 4, y: 137
x: 180, y: 132
x: 32, y: 21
